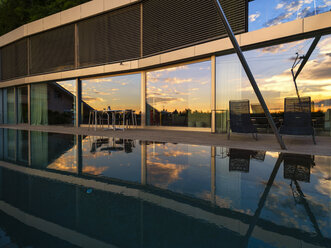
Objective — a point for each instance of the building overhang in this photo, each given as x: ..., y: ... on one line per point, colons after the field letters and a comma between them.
x: 291, y: 31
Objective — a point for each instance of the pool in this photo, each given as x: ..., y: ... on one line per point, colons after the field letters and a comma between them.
x: 61, y: 190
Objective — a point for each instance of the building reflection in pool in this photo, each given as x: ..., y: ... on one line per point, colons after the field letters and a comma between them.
x: 286, y: 194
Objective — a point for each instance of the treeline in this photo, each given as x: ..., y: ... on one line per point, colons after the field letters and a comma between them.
x: 14, y: 13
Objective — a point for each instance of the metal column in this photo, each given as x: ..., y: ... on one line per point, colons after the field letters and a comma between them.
x: 78, y: 103
x: 249, y: 74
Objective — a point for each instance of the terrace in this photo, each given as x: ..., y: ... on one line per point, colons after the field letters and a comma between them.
x: 268, y: 142
x: 174, y: 179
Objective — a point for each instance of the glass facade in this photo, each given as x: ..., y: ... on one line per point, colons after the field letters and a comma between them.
x: 53, y: 103
x: 271, y: 67
x: 9, y: 105
x: 117, y: 93
x: 1, y: 107
x: 22, y: 104
x: 179, y: 96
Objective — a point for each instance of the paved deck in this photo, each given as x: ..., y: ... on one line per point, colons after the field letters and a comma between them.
x: 267, y: 142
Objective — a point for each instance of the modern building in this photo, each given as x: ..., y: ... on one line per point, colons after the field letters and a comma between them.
x: 169, y: 60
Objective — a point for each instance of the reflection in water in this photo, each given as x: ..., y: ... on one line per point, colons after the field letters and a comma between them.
x: 298, y: 167
x: 179, y: 168
x: 232, y: 197
x: 111, y: 157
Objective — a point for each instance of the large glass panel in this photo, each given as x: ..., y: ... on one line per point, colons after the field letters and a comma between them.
x: 271, y: 67
x: 1, y: 107
x: 53, y: 103
x: 9, y: 105
x: 272, y: 12
x: 22, y: 104
x: 1, y: 143
x: 118, y: 93
x: 179, y: 96
x: 39, y: 104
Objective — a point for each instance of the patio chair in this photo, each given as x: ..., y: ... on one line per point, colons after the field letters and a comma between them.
x: 240, y: 119
x: 297, y: 117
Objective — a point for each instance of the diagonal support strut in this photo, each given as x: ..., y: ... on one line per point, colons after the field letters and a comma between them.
x: 303, y: 62
x: 249, y: 74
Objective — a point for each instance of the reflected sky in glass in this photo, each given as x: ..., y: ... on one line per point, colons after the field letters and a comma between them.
x: 181, y: 87
x: 271, y: 67
x: 119, y: 92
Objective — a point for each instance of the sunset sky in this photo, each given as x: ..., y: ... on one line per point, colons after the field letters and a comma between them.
x: 271, y: 68
x: 180, y: 87
x: 120, y: 92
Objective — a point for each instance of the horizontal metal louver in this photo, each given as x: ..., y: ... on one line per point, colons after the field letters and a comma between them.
x: 14, y: 60
x: 169, y: 24
x: 53, y: 50
x: 111, y: 37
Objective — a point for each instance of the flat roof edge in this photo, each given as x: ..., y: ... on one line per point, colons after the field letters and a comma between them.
x: 74, y: 14
x: 290, y: 31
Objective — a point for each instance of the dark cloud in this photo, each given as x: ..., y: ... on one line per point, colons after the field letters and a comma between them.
x: 161, y: 99
x: 317, y: 70
x: 326, y: 103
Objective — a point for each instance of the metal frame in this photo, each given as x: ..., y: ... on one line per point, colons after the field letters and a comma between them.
x: 78, y: 102
x: 303, y: 61
x: 249, y: 74
x: 213, y: 94
x: 143, y: 99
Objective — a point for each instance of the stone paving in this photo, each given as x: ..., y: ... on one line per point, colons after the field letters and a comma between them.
x: 267, y: 142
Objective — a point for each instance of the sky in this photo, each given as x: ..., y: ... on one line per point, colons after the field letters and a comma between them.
x: 266, y: 13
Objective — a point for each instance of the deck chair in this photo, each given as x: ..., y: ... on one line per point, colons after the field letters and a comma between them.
x: 240, y: 119
x: 297, y: 117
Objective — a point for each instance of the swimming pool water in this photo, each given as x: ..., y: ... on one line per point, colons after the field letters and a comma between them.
x: 68, y: 190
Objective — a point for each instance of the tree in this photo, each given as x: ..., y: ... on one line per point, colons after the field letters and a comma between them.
x: 14, y: 13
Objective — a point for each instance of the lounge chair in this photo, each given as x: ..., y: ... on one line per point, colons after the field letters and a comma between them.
x: 297, y: 117
x: 240, y: 119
